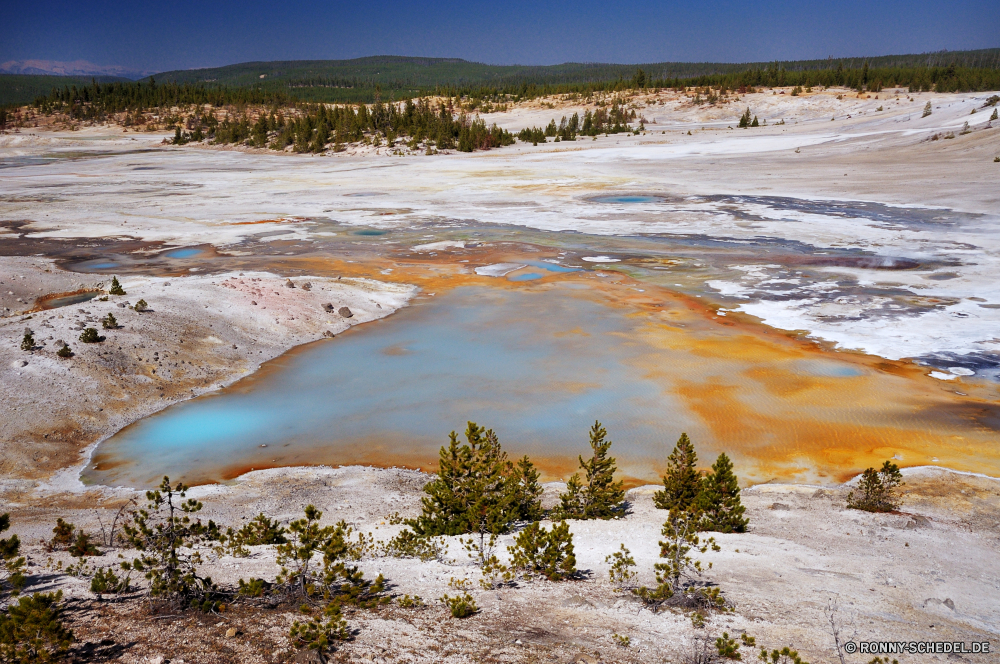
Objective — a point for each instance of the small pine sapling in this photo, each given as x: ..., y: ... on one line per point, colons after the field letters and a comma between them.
x: 719, y: 500
x: 28, y: 342
x: 673, y: 577
x: 598, y: 495
x: 784, y: 656
x: 621, y: 574
x: 141, y: 306
x: 681, y: 482
x: 65, y: 351
x: 319, y: 633
x: 109, y: 322
x: 461, y: 606
x: 32, y: 630
x: 11, y: 563
x: 878, y: 491
x: 927, y: 110
x: 116, y: 287
x: 549, y: 554
x: 166, y: 536
x: 90, y: 336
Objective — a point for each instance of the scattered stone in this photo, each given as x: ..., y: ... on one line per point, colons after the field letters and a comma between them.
x: 328, y: 306
x: 781, y: 507
x: 307, y: 286
x: 231, y: 632
x: 584, y: 658
x: 289, y: 284
x: 328, y: 334
x: 309, y: 656
x: 575, y: 601
x: 345, y: 312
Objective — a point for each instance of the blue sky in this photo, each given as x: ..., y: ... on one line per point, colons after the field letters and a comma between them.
x: 174, y: 35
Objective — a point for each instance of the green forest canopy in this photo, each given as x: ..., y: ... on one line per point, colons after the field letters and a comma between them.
x: 397, y: 78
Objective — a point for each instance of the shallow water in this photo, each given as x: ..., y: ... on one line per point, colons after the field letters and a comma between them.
x: 67, y: 300
x: 538, y: 367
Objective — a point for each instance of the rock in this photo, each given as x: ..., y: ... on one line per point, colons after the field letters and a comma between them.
x: 309, y: 656
x: 156, y: 659
x: 584, y: 658
x: 122, y: 305
x: 20, y: 363
x: 328, y: 334
x: 231, y: 632
x: 328, y: 306
x: 289, y: 284
x: 950, y: 604
x: 575, y: 600
x: 307, y: 286
x: 781, y: 507
x: 345, y: 312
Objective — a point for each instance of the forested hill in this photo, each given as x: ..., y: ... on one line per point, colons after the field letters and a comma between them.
x: 22, y: 89
x: 403, y: 77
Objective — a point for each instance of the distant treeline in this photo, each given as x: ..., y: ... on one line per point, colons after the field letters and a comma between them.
x: 314, y: 128
x: 99, y: 100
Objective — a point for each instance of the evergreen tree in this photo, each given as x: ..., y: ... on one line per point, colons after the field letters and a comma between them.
x: 878, y: 491
x: 681, y: 483
x: 598, y: 496
x: 719, y: 501
x: 471, y: 493
x: 116, y: 288
x: 65, y: 351
x: 755, y: 123
x: 526, y: 491
x: 28, y: 342
x: 745, y: 119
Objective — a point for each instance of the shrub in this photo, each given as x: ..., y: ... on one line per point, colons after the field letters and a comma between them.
x: 32, y: 630
x: 927, y: 110
x: 461, y: 606
x: 109, y: 322
x: 260, y: 530
x: 11, y: 564
x: 477, y: 489
x: 165, y: 536
x: 621, y: 575
x: 407, y: 544
x: 253, y: 588
x: 994, y: 116
x: 785, y: 655
x: 65, y: 351
x: 680, y: 533
x: 82, y: 546
x: 408, y: 602
x: 878, y: 491
x: 106, y: 582
x: 116, y: 288
x: 681, y: 482
x: 28, y: 342
x: 718, y: 503
x: 62, y: 535
x: 333, y: 581
x: 141, y: 306
x: 90, y: 336
x: 599, y: 496
x: 544, y: 553
x: 319, y: 633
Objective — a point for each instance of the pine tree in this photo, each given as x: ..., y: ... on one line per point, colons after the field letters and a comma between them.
x: 681, y: 483
x: 471, y: 493
x: 745, y: 119
x: 116, y: 288
x: 28, y: 342
x: 755, y: 123
x: 719, y: 500
x: 526, y: 491
x: 598, y: 496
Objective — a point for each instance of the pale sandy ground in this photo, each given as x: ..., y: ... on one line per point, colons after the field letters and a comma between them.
x: 900, y: 577
x: 200, y: 334
x: 788, y: 566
